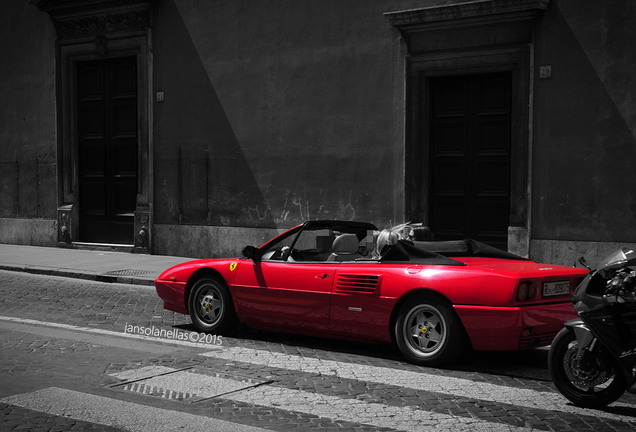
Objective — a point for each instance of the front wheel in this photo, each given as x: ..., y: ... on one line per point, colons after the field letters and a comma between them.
x: 592, y: 380
x: 211, y: 307
x: 428, y: 332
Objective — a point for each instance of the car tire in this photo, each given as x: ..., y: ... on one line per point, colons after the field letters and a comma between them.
x: 428, y: 332
x: 211, y: 307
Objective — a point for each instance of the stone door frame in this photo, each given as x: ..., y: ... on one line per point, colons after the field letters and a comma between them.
x: 466, y: 39
x: 97, y: 31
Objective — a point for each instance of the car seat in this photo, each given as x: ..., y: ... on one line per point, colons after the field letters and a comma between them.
x: 345, y: 248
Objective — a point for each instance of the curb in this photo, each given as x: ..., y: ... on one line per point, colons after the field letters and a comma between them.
x: 76, y: 274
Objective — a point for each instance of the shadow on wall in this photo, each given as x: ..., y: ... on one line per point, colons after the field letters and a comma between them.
x: 201, y: 174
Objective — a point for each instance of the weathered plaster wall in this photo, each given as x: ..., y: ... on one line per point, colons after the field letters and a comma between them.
x: 568, y: 252
x: 278, y: 112
x: 27, y: 126
x: 209, y: 241
x: 281, y: 111
x: 584, y: 187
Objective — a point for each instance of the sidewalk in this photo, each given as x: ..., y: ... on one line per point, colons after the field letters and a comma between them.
x: 119, y: 267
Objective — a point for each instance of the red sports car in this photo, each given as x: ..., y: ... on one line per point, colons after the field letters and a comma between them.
x: 433, y: 299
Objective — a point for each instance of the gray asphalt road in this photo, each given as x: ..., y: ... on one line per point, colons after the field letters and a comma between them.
x: 98, y: 356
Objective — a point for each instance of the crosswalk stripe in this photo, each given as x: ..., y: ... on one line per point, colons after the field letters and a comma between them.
x: 458, y: 387
x: 334, y: 408
x: 125, y: 415
x: 405, y: 418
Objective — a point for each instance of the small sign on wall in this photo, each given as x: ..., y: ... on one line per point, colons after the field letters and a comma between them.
x: 545, y: 71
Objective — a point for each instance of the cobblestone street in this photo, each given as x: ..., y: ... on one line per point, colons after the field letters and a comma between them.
x: 68, y: 364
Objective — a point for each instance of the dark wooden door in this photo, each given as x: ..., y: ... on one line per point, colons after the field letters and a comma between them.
x: 107, y: 149
x: 470, y: 158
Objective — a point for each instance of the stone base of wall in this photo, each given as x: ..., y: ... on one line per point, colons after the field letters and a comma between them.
x: 177, y: 240
x: 221, y: 242
x: 207, y: 241
x: 30, y: 232
x: 567, y: 253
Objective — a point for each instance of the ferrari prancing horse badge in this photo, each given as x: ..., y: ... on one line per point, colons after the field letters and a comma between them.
x: 232, y: 266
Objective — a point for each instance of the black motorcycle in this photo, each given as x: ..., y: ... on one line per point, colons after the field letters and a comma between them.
x: 593, y: 358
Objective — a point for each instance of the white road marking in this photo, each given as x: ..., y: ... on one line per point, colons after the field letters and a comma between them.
x: 113, y: 333
x: 62, y: 402
x: 119, y: 414
x: 458, y: 387
x: 403, y: 418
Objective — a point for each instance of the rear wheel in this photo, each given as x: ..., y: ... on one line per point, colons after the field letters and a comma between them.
x: 211, y: 307
x: 428, y: 332
x: 592, y: 380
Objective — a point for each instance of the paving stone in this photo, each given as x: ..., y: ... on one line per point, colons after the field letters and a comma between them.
x: 111, y: 306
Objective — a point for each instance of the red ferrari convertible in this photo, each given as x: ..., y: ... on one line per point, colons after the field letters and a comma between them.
x: 433, y: 299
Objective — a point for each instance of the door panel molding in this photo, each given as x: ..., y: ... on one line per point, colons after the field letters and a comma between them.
x: 107, y: 165
x: 470, y: 167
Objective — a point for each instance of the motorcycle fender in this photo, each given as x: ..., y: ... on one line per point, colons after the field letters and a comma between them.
x: 585, y: 339
x: 584, y: 336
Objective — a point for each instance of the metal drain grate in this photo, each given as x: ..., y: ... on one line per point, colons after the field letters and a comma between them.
x: 189, y: 384
x: 156, y: 391
x: 127, y: 272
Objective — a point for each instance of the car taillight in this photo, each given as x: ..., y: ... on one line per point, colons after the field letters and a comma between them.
x: 522, y: 292
x: 527, y: 291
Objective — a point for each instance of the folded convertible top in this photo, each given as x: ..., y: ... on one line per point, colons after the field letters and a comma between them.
x: 421, y: 253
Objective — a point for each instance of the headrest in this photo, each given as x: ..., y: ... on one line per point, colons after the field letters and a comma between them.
x: 345, y: 243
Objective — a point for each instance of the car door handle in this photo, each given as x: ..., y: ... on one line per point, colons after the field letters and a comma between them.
x: 322, y: 276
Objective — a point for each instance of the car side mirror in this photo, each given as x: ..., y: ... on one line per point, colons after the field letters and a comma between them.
x: 252, y: 252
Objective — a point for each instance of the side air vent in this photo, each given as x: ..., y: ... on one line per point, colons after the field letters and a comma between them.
x: 352, y: 283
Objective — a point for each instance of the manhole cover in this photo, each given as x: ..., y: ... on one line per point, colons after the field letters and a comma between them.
x: 127, y: 272
x: 190, y: 384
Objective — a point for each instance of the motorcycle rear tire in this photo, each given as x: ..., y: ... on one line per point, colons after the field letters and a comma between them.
x: 579, y: 397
